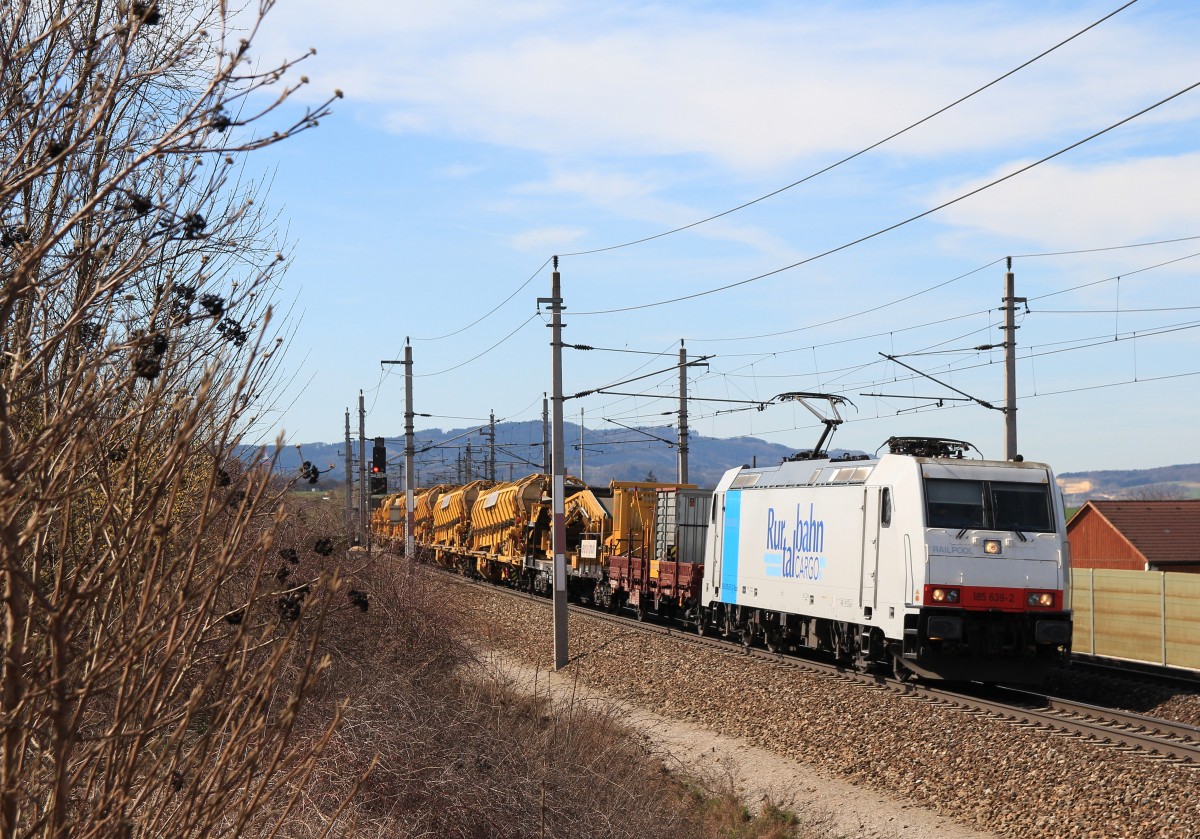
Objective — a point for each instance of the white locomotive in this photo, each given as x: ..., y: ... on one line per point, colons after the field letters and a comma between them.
x: 919, y: 560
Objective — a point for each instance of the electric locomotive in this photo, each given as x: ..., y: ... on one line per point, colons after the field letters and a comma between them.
x: 919, y: 560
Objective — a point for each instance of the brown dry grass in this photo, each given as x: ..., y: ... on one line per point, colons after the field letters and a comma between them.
x: 449, y: 748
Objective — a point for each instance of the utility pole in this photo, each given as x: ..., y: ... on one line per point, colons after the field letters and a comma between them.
x: 492, y: 446
x: 410, y: 507
x: 362, y: 465
x: 1010, y: 364
x: 683, y: 419
x: 558, y: 530
x: 581, y: 446
x: 410, y: 466
x: 467, y: 464
x: 545, y: 435
x: 348, y: 514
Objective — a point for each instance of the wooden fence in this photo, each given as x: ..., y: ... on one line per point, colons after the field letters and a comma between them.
x: 1145, y: 616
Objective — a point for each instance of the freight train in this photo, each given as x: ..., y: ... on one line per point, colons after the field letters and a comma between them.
x: 920, y: 560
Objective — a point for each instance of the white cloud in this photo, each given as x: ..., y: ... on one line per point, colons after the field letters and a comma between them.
x: 638, y: 198
x: 1094, y: 205
x: 755, y: 88
x: 545, y: 239
x: 459, y: 171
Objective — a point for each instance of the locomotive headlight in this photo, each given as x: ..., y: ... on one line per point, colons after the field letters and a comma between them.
x: 945, y: 595
x: 1044, y: 599
x: 991, y: 547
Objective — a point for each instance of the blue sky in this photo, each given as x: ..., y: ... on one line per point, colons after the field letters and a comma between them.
x: 476, y: 140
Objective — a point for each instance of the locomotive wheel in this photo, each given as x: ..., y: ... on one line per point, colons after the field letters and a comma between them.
x: 844, y: 649
x: 900, y: 669
x: 772, y: 641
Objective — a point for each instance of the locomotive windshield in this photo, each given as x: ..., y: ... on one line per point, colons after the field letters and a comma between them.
x: 988, y: 505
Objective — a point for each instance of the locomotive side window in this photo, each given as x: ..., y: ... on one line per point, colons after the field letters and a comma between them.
x: 955, y: 504
x: 885, y: 507
x: 1022, y: 507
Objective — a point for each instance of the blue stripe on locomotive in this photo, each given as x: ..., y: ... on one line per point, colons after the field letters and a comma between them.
x: 729, y: 550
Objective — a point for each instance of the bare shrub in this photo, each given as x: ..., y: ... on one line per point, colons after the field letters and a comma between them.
x: 1156, y: 492
x: 457, y: 752
x: 151, y: 677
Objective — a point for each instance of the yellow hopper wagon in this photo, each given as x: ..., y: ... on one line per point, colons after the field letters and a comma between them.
x: 512, y: 534
x: 452, y: 525
x: 386, y: 529
x: 423, y: 503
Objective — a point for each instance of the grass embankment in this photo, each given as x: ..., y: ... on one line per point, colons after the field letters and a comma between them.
x: 458, y: 752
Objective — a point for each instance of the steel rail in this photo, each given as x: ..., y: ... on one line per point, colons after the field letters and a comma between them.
x: 1149, y: 737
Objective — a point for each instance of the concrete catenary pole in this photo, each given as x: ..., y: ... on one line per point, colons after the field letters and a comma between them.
x: 558, y: 516
x: 581, y: 475
x: 1010, y: 364
x: 348, y: 513
x: 362, y: 465
x: 492, y: 446
x: 683, y: 417
x: 545, y: 435
x: 410, y: 466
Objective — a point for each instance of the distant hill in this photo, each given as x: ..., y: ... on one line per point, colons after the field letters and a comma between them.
x: 1179, y: 481
x: 632, y: 455
x: 608, y: 454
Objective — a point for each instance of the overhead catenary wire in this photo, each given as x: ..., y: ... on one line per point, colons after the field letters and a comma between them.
x: 944, y: 283
x: 1089, y: 343
x: 927, y: 409
x: 858, y: 241
x: 802, y: 180
x: 494, y: 309
x: 899, y: 329
x: 478, y: 355
x: 1034, y: 351
x: 864, y: 150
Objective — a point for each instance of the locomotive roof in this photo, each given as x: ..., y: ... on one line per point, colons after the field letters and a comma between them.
x: 798, y: 472
x: 827, y: 471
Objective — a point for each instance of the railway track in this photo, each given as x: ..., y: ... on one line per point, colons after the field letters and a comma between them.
x: 1154, y: 739
x: 1168, y: 676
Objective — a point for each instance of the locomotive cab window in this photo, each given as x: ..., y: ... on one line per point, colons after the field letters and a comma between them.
x: 955, y: 504
x: 988, y: 505
x: 1022, y: 507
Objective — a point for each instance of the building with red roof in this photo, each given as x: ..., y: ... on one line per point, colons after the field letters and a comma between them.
x: 1136, y: 535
